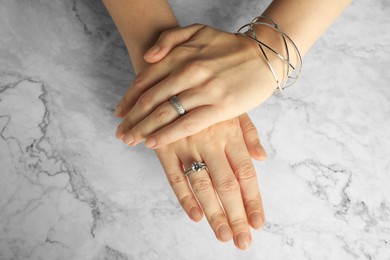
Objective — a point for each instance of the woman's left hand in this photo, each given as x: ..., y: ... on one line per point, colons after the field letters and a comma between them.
x: 216, y: 75
x: 228, y: 192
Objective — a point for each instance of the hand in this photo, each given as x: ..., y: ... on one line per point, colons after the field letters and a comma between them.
x: 216, y: 76
x: 231, y: 177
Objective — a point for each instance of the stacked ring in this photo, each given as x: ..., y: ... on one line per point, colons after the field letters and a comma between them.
x: 195, y: 167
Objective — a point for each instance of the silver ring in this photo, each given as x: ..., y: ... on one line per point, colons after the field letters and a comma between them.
x: 195, y: 167
x: 177, y: 105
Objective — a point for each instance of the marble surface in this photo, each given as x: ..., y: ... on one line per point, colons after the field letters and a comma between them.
x: 70, y: 190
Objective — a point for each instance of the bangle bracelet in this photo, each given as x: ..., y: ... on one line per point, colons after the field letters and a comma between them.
x: 292, y: 72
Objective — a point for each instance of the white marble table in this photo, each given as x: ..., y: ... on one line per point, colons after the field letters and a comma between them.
x: 70, y: 190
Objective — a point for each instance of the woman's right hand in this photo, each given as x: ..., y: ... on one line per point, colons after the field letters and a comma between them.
x: 228, y: 192
x: 216, y: 76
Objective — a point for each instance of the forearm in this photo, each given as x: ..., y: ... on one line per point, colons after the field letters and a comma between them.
x: 140, y: 22
x: 305, y: 20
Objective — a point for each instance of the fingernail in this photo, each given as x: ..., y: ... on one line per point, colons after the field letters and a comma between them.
x: 243, y: 241
x: 195, y: 214
x: 118, y: 110
x: 119, y: 132
x: 152, y: 51
x: 256, y: 220
x: 260, y: 151
x: 150, y: 142
x: 259, y: 148
x: 129, y: 139
x: 224, y: 233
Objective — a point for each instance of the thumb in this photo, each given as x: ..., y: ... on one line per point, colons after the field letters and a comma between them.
x: 251, y: 138
x: 169, y: 39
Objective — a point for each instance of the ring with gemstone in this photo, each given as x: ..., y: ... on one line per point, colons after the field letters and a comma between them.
x: 177, y: 105
x: 195, y: 167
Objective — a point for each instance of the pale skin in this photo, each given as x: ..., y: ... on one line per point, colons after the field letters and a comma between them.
x: 225, y: 147
x: 216, y: 75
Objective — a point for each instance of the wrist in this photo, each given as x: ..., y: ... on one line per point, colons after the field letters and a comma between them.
x: 272, y: 67
x: 277, y: 49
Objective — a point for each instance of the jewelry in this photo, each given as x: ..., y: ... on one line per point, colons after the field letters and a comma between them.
x: 290, y: 69
x: 177, y: 105
x: 195, y: 167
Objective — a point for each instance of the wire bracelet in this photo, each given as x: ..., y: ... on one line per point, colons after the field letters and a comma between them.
x: 292, y: 72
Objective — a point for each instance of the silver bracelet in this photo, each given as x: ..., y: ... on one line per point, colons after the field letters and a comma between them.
x: 292, y: 73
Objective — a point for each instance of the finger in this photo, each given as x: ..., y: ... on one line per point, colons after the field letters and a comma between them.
x: 160, y: 117
x: 251, y: 138
x: 228, y: 190
x: 189, y: 124
x: 204, y: 191
x: 148, y: 77
x: 164, y: 114
x: 162, y: 91
x: 246, y: 175
x: 168, y: 40
x: 179, y: 183
x: 144, y: 79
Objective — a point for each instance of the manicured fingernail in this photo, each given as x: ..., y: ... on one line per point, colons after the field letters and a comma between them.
x: 118, y: 110
x: 256, y: 220
x: 224, y: 233
x: 260, y: 151
x: 150, y: 142
x: 119, y: 132
x: 129, y: 139
x: 243, y: 241
x: 259, y: 148
x: 195, y: 214
x: 152, y: 51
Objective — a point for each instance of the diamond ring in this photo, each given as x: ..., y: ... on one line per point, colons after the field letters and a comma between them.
x: 195, y: 167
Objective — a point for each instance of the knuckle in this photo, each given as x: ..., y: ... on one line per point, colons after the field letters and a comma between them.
x: 175, y: 179
x: 245, y: 170
x: 253, y: 204
x: 197, y: 67
x: 162, y: 115
x: 187, y: 201
x: 166, y: 35
x: 250, y: 128
x: 214, y: 88
x: 137, y: 80
x: 201, y: 185
x: 188, y: 125
x: 228, y: 185
x: 216, y: 219
x: 184, y: 51
x: 145, y: 101
x: 239, y: 223
x: 169, y: 34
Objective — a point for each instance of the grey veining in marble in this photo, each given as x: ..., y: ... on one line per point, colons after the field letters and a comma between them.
x: 70, y: 190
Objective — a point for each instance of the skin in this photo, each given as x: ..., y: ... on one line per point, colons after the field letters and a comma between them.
x: 225, y: 147
x: 208, y: 69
